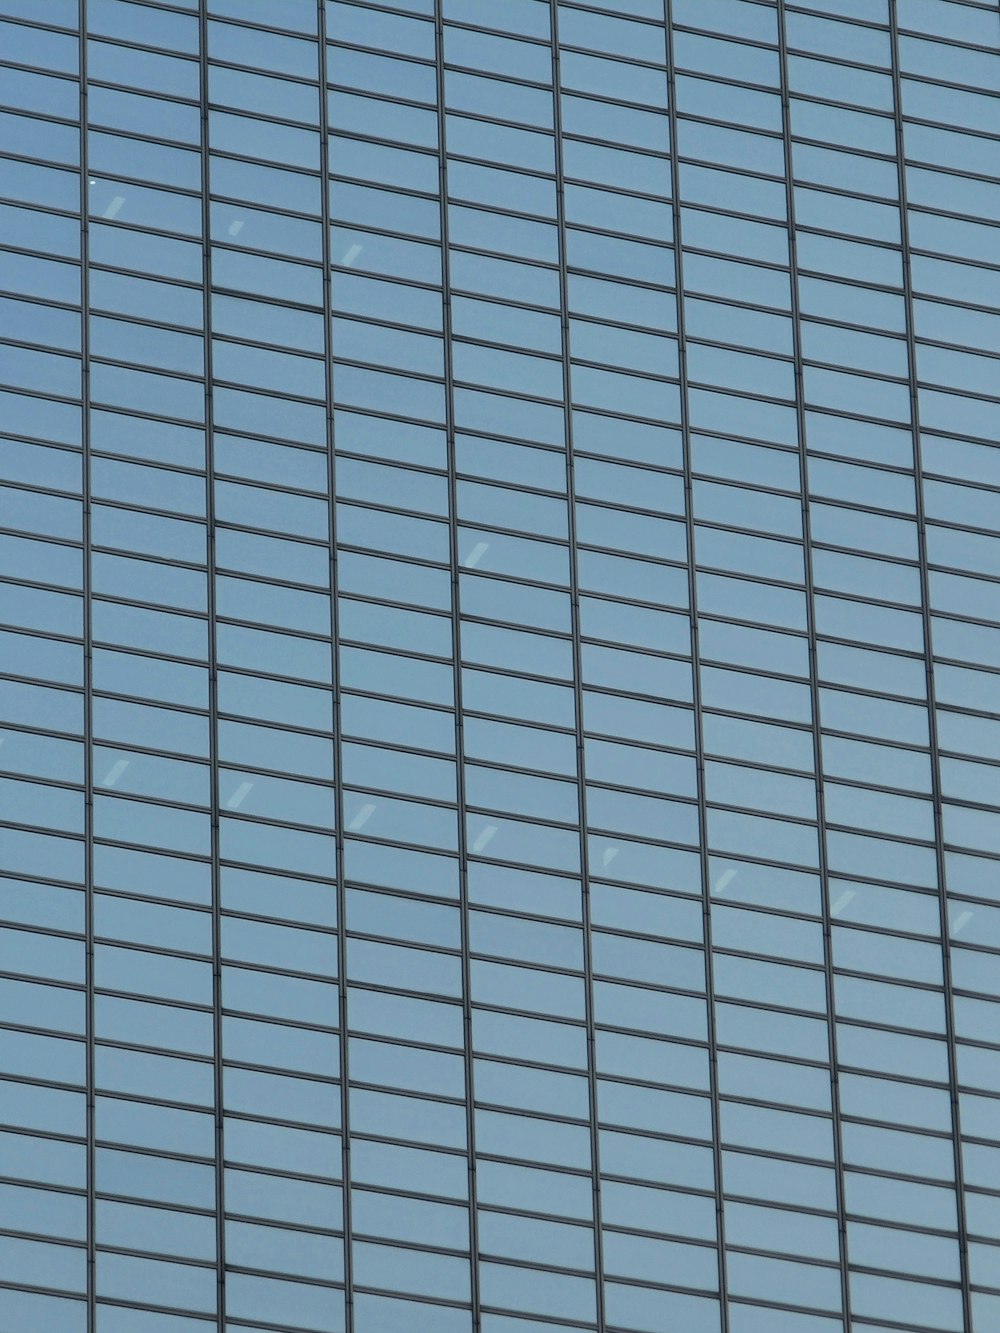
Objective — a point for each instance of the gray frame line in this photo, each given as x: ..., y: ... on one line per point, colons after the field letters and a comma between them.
x: 88, y: 691
x: 925, y: 607
x: 696, y: 668
x: 578, y: 696
x: 213, y: 669
x: 338, y: 769
x: 461, y: 815
x: 814, y: 672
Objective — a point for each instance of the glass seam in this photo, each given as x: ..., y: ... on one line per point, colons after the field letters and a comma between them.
x: 461, y: 814
x: 926, y: 609
x: 699, y: 739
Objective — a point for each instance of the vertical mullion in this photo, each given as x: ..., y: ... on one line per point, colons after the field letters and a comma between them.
x: 339, y: 869
x: 463, y: 850
x: 574, y: 589
x: 800, y: 412
x: 699, y: 738
x: 213, y: 677
x: 88, y: 697
x: 925, y: 606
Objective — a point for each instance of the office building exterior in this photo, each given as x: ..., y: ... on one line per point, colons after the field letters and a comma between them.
x: 499, y: 634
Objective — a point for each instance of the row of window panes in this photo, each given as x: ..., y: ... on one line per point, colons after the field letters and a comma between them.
x: 256, y: 272
x: 240, y: 308
x: 707, y: 53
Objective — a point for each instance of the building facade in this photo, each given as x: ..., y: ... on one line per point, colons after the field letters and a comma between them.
x: 500, y: 634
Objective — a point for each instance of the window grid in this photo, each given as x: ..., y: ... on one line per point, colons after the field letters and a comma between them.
x: 799, y: 768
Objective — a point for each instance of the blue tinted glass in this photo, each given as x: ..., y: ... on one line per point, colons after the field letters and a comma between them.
x: 450, y: 638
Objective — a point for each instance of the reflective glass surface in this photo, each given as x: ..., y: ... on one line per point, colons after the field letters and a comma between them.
x: 499, y: 660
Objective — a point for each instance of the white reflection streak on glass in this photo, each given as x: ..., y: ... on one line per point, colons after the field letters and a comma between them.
x: 843, y: 902
x: 961, y: 921
x: 362, y: 817
x: 239, y: 795
x: 484, y: 838
x: 724, y: 880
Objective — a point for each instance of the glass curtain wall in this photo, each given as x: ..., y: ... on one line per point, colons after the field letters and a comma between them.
x: 499, y: 662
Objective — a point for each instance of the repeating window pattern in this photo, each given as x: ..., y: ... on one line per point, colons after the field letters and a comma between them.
x: 500, y: 632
